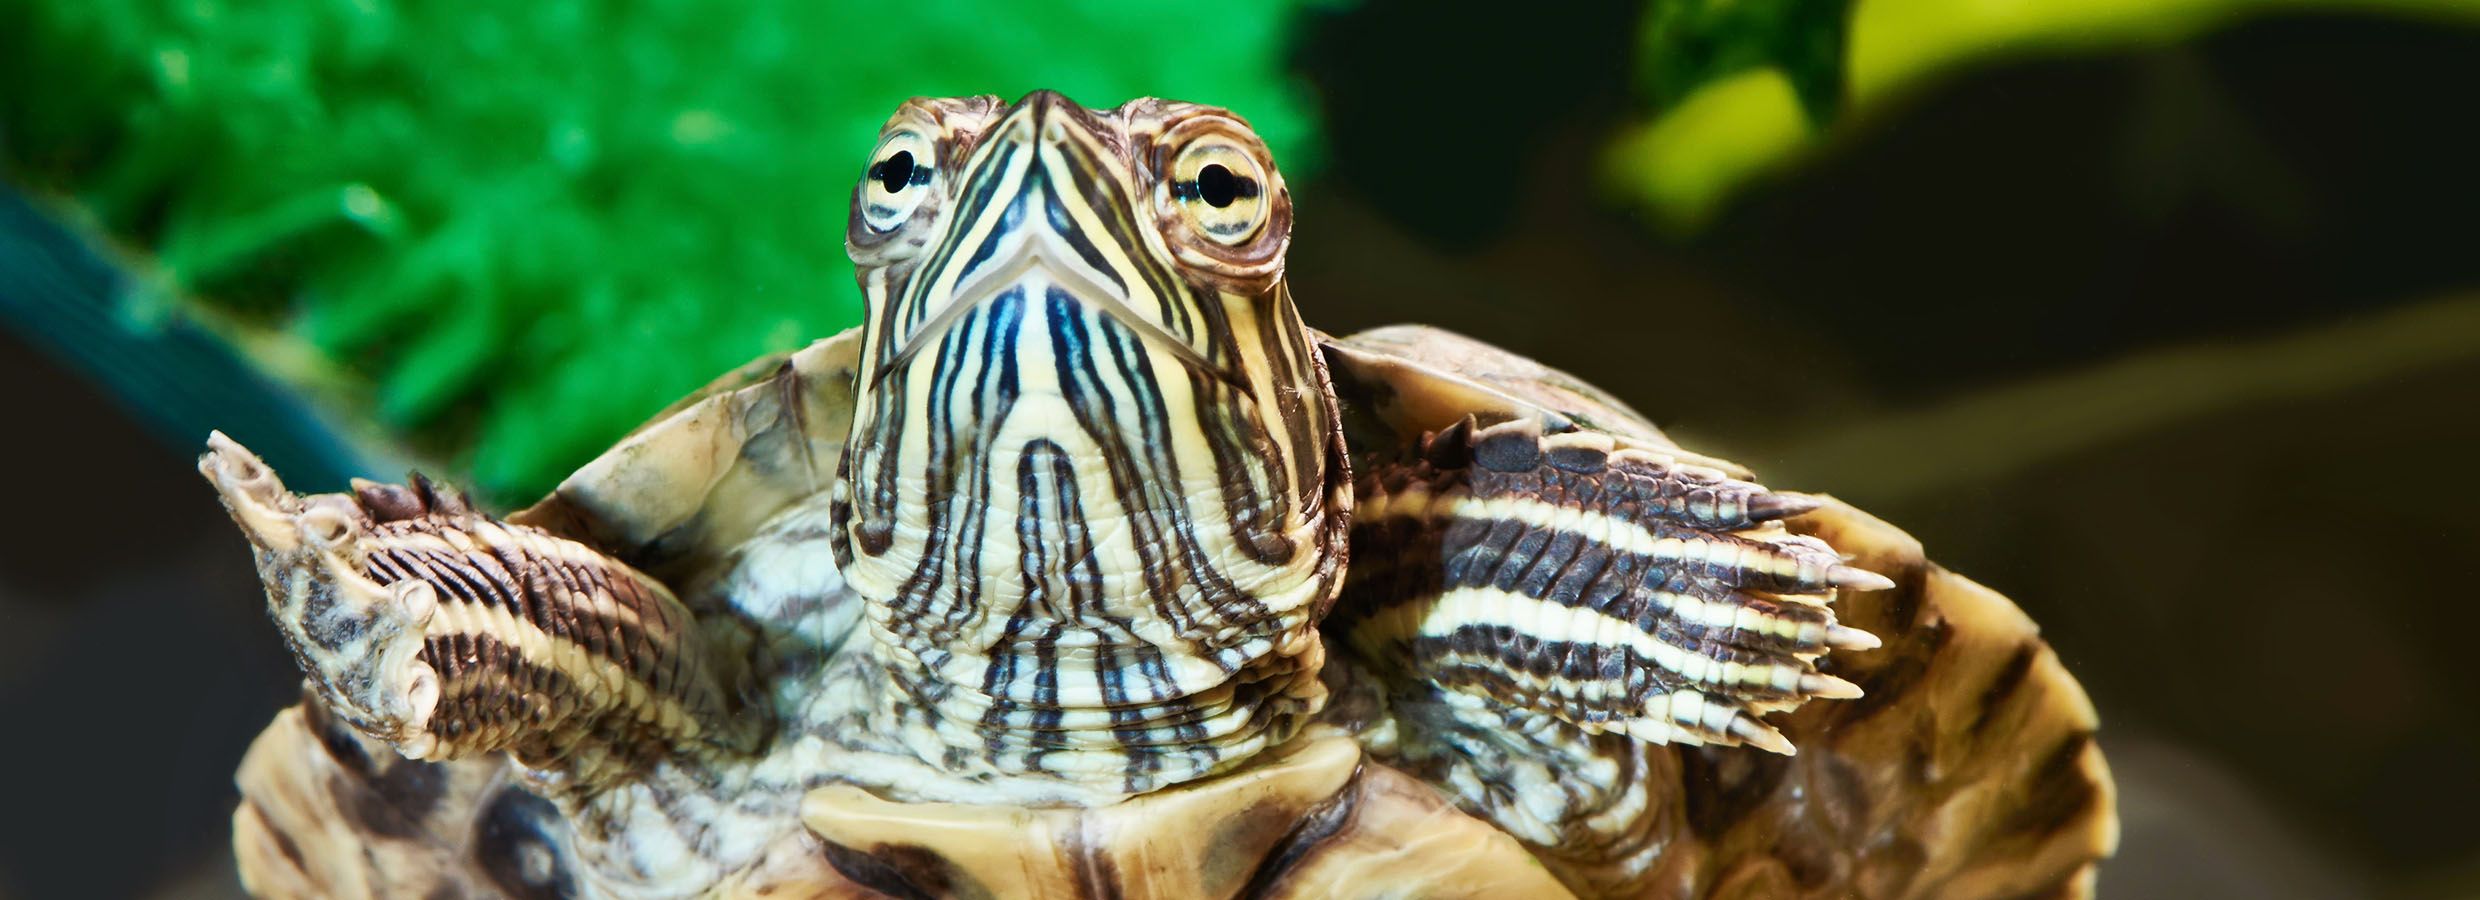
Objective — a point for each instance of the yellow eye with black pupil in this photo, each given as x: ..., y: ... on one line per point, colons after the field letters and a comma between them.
x: 1220, y: 188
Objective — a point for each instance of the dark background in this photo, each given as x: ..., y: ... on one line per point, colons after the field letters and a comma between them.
x: 2177, y: 346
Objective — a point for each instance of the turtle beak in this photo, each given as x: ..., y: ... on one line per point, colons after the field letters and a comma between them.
x: 1029, y: 239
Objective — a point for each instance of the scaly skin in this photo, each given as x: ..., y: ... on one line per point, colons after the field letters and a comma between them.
x: 1607, y: 585
x: 448, y: 634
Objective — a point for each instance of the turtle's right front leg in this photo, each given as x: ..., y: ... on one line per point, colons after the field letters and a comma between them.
x: 447, y: 633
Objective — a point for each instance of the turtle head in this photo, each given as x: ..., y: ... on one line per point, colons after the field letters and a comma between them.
x: 1157, y: 225
x: 1088, y: 414
x: 1150, y: 213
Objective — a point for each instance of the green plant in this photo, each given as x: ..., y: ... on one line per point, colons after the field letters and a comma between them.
x: 517, y: 229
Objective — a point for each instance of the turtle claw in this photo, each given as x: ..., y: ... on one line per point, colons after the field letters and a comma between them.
x: 1828, y: 687
x: 1855, y: 579
x: 278, y: 522
x: 1845, y: 637
x: 1772, y: 505
x: 1761, y: 736
x: 416, y: 600
x: 257, y: 499
x: 240, y: 474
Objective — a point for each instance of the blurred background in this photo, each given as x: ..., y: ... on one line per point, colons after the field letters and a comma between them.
x: 2161, y: 316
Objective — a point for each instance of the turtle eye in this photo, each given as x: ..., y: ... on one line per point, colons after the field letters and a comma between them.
x: 1220, y: 188
x: 898, y: 178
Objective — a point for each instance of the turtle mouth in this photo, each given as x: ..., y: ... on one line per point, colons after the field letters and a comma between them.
x: 1023, y: 279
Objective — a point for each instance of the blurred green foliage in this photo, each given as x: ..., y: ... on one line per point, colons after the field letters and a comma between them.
x: 1683, y: 45
x: 1741, y: 87
x: 526, y: 226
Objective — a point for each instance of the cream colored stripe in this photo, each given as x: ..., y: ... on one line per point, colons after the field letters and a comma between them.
x: 1618, y: 534
x: 1548, y: 621
x: 583, y: 667
x: 1627, y: 537
x: 1662, y: 718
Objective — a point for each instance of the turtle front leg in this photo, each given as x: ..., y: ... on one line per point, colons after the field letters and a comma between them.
x: 449, y: 634
x: 1612, y: 587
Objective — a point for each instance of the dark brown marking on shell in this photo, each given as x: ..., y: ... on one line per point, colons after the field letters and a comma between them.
x: 1887, y: 685
x: 2003, y: 686
x: 1317, y: 826
x: 1096, y: 869
x: 1899, y: 609
x: 902, y: 871
x: 1725, y: 786
x: 388, y: 797
x: 2059, y: 790
x: 515, y: 826
x: 1267, y: 823
x: 1812, y: 864
x: 284, y: 842
x: 335, y: 736
x: 397, y: 799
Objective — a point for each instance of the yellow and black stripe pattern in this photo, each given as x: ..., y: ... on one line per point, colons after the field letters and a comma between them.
x: 1093, y: 494
x: 1611, y: 586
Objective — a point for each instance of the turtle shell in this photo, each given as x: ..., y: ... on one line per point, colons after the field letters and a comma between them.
x: 678, y: 495
x: 1969, y: 769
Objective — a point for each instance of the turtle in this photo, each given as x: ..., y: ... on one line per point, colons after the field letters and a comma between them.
x: 1084, y: 567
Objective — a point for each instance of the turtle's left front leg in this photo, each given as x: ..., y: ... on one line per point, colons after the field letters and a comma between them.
x: 448, y: 634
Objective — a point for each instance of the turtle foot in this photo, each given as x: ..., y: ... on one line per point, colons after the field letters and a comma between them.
x: 359, y: 641
x: 424, y: 623
x: 1614, y: 585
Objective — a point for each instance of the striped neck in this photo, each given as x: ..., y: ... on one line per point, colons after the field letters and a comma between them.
x: 1087, y: 494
